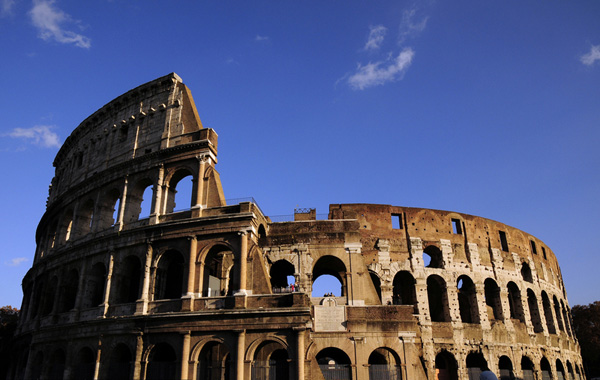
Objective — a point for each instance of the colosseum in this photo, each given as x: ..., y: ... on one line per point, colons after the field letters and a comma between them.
x: 134, y: 279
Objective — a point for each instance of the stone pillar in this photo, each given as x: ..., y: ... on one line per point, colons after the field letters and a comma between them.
x: 239, y: 357
x: 156, y: 211
x: 142, y: 307
x: 185, y: 354
x: 138, y: 366
x: 300, y: 332
x: 119, y: 222
x: 80, y: 291
x: 98, y: 357
x: 107, y: 285
x: 243, y: 263
x: 202, y: 160
x: 192, y: 267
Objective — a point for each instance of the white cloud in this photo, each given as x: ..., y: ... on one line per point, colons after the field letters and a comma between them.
x: 376, y: 36
x: 49, y: 19
x: 38, y: 135
x: 591, y: 57
x: 409, y: 27
x: 260, y: 38
x: 15, y: 262
x: 378, y: 73
x: 6, y: 7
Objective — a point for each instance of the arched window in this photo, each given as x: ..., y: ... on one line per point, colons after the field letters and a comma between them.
x: 384, y: 364
x: 560, y: 370
x: 334, y: 364
x: 179, y: 195
x: 515, y: 302
x: 48, y: 296
x: 66, y: 226
x: 85, y: 364
x: 548, y: 313
x: 128, y: 284
x: 526, y: 273
x: 404, y: 289
x: 467, y: 300
x: 270, y: 362
x: 162, y: 363
x: 558, y: 313
x: 376, y: 283
x: 506, y: 368
x: 446, y: 366
x: 566, y: 319
x: 335, y: 270
x: 546, y: 370
x: 68, y: 292
x: 432, y: 257
x: 94, y: 291
x: 282, y: 275
x: 85, y: 218
x: 139, y: 201
x: 120, y: 363
x: 534, y: 311
x: 168, y: 283
x: 475, y: 362
x: 108, y: 209
x: 214, y: 362
x: 527, y: 368
x: 438, y: 299
x: 219, y: 275
x: 492, y: 300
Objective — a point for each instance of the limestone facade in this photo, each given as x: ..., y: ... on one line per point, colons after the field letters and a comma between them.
x: 132, y: 281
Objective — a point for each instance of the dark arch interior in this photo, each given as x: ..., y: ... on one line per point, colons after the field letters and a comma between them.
x: 162, y: 363
x: 432, y: 257
x: 280, y: 270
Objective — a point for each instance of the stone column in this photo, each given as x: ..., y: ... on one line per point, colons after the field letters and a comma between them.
x: 107, y: 285
x: 239, y: 357
x: 142, y: 307
x: 156, y: 210
x: 80, y: 291
x: 98, y: 357
x: 202, y: 160
x: 138, y: 365
x: 300, y: 332
x: 192, y: 267
x: 243, y: 263
x: 185, y: 353
x: 119, y: 222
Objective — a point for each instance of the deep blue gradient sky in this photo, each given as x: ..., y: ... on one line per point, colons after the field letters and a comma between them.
x: 488, y: 108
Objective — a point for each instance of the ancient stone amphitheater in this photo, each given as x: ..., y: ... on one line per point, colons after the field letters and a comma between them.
x: 135, y: 277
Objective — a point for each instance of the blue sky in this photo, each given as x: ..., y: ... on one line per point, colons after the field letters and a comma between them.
x: 488, y: 108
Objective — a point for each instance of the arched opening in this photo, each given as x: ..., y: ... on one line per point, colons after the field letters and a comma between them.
x: 492, y: 300
x: 214, y: 362
x: 515, y: 303
x: 85, y: 218
x: 526, y: 273
x: 384, y: 364
x: 560, y: 370
x: 68, y: 292
x: 139, y: 201
x: 558, y: 313
x: 262, y: 233
x: 162, y: 363
x: 52, y: 232
x: 404, y: 292
x: 437, y: 296
x: 548, y: 313
x: 432, y: 257
x: 334, y: 364
x: 56, y: 367
x: 446, y: 367
x: 179, y: 195
x: 475, y: 363
x: 566, y: 319
x: 219, y: 276
x: 545, y: 368
x: 527, y: 368
x: 270, y: 362
x: 128, y: 285
x: 467, y: 300
x: 37, y: 366
x: 48, y: 295
x: 330, y: 266
x: 95, y: 286
x: 570, y: 371
x: 168, y: 282
x: 506, y: 368
x: 66, y: 226
x: 109, y: 209
x: 534, y: 311
x: 85, y: 364
x: 119, y: 366
x: 146, y: 202
x: 282, y: 276
x: 376, y: 283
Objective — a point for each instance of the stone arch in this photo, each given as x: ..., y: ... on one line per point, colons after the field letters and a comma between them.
x: 332, y: 266
x: 66, y: 226
x: 139, y: 197
x: 548, y: 313
x: 162, y: 362
x: 108, y: 208
x: 279, y: 272
x: 270, y: 360
x: 446, y: 367
x: 560, y: 370
x: 545, y: 369
x: 173, y: 201
x: 432, y: 257
x: 48, y: 296
x: 334, y: 363
x: 169, y: 275
x: 120, y: 361
x: 527, y: 368
x: 52, y: 233
x: 526, y: 273
x: 404, y: 291
x: 492, y: 300
x: 467, y: 300
x: 437, y: 295
x: 566, y: 319
x: 376, y: 283
x: 68, y: 291
x: 505, y: 367
x: 94, y: 290
x: 558, y: 314
x: 128, y: 287
x: 217, y: 274
x: 475, y: 362
x: 262, y: 232
x: 534, y: 311
x: 213, y: 359
x: 85, y: 364
x: 85, y: 218
x: 384, y: 363
x: 515, y: 303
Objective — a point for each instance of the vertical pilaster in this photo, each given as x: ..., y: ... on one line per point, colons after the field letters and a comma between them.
x: 119, y: 222
x: 192, y: 267
x: 300, y: 332
x: 80, y: 290
x: 185, y: 356
x: 107, y: 285
x: 243, y: 263
x: 139, y: 367
x: 239, y: 357
x: 142, y: 307
x: 202, y: 160
x: 156, y: 210
x: 98, y: 358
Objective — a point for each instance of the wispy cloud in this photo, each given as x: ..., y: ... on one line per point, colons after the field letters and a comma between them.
x: 588, y: 59
x: 409, y: 26
x: 260, y: 38
x: 6, y: 7
x: 378, y: 73
x: 41, y: 135
x: 376, y: 36
x: 15, y: 262
x: 49, y: 21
